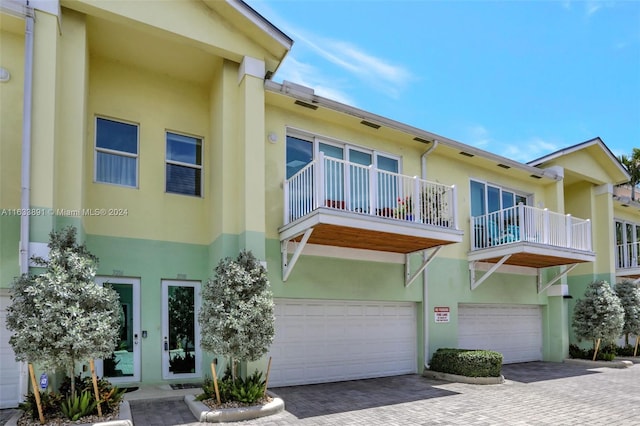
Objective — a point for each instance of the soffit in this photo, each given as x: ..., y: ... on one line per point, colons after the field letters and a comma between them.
x: 399, y: 135
x: 188, y: 23
x: 131, y: 46
x: 12, y: 24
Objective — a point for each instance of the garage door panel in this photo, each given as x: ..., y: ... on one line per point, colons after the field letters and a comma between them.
x: 342, y: 340
x: 513, y: 330
x: 9, y: 368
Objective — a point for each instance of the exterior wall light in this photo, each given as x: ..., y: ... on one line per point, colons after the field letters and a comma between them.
x: 5, y: 75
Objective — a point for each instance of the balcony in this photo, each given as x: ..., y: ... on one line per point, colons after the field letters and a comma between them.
x: 525, y: 236
x: 332, y: 202
x: 531, y: 237
x: 627, y: 263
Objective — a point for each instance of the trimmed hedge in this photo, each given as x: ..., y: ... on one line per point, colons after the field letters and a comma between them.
x: 467, y: 362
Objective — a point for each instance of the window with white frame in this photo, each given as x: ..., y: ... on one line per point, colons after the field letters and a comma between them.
x: 486, y: 198
x: 184, y: 164
x: 345, y: 188
x: 116, y: 154
x: 627, y: 244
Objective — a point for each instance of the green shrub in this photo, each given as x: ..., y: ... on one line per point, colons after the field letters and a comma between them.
x: 606, y: 353
x: 467, y: 362
x: 110, y: 396
x: 77, y: 406
x: 625, y: 350
x: 50, y: 404
x: 247, y: 390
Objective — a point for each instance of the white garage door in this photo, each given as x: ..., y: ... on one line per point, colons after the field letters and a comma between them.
x: 513, y: 330
x: 9, y: 368
x: 320, y: 341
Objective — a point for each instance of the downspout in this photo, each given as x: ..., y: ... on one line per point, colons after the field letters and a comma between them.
x: 425, y: 282
x: 25, y: 178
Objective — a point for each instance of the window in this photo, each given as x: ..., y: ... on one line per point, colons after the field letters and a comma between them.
x: 184, y: 165
x: 345, y: 187
x: 627, y: 244
x: 487, y: 198
x: 116, y: 160
x: 299, y: 154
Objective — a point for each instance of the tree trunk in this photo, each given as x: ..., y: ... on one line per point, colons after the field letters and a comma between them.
x: 72, y: 376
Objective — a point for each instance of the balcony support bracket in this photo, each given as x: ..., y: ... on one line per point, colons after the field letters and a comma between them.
x: 566, y: 269
x: 472, y: 272
x: 288, y: 264
x: 410, y: 278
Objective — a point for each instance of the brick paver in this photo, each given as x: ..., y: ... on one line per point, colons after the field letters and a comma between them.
x: 534, y: 394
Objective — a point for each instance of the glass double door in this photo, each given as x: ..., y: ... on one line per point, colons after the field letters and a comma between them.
x: 352, y: 187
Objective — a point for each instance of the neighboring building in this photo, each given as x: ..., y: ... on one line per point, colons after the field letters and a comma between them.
x: 159, y: 134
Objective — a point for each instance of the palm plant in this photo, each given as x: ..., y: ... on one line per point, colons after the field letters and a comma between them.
x: 632, y: 164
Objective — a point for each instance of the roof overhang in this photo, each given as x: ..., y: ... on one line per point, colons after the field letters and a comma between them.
x: 312, y: 101
x: 596, y: 148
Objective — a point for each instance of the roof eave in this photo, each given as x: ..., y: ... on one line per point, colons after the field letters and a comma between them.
x: 307, y: 95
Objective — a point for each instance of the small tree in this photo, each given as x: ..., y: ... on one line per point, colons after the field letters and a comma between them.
x: 629, y: 295
x: 599, y: 316
x: 61, y: 316
x: 237, y: 319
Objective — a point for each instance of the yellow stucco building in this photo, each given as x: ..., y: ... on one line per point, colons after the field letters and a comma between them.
x: 159, y: 134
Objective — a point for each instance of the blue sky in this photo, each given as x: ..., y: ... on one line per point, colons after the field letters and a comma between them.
x: 517, y: 78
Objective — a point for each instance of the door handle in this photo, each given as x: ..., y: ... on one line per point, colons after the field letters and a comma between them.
x: 166, y: 344
x: 135, y: 339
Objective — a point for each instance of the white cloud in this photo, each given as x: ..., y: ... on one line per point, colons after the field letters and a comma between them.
x: 590, y: 7
x: 479, y: 136
x: 528, y: 149
x: 307, y: 75
x: 376, y: 72
x: 522, y: 151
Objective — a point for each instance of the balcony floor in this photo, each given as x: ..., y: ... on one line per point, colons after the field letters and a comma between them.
x: 533, y: 255
x: 333, y: 227
x: 628, y: 273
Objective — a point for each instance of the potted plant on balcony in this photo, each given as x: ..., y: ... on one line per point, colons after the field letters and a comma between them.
x: 434, y: 206
x: 404, y: 211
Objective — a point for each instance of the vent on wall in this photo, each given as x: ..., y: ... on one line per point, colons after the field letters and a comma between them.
x: 466, y: 154
x: 370, y: 124
x: 418, y: 139
x: 306, y: 105
x: 536, y: 176
x: 504, y: 166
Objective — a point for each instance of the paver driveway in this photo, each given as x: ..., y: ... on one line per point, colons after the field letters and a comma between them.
x: 536, y: 393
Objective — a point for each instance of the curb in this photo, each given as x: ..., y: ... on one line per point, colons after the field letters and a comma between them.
x: 463, y: 379
x: 207, y: 415
x: 598, y: 364
x: 635, y: 360
x: 124, y: 418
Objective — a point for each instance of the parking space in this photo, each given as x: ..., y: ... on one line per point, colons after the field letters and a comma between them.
x: 536, y: 393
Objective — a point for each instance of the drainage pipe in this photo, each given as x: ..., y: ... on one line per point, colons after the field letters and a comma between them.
x: 25, y: 177
x: 425, y: 282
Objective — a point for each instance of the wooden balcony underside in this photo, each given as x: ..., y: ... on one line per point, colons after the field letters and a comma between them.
x: 343, y: 236
x: 351, y: 230
x: 532, y: 255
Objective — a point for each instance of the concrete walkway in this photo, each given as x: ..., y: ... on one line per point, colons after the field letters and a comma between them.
x: 534, y: 394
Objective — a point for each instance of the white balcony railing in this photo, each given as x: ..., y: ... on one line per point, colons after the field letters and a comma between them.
x: 351, y: 187
x: 627, y: 255
x: 525, y: 223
